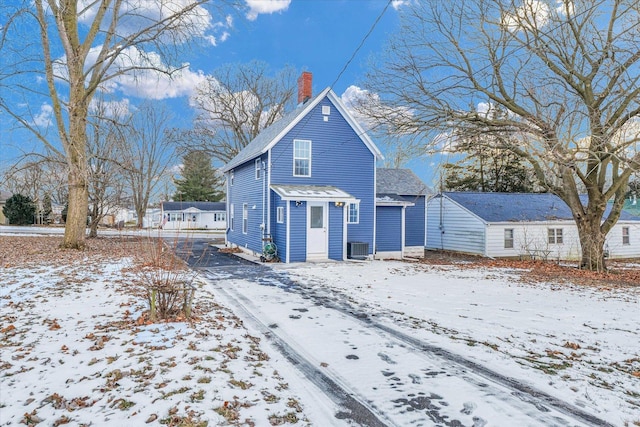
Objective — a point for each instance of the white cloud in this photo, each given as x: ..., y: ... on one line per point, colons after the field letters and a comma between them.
x: 119, y: 108
x: 257, y: 7
x: 358, y: 100
x: 397, y: 4
x: 44, y: 118
x: 534, y: 14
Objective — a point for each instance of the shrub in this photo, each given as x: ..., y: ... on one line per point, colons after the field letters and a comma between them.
x: 19, y: 210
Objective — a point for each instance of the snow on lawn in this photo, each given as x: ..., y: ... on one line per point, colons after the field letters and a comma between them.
x: 581, y: 344
x: 72, y: 352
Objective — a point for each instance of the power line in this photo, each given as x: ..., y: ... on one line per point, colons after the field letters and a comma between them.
x: 364, y: 39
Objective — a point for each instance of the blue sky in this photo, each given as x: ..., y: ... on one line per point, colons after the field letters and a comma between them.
x: 314, y: 35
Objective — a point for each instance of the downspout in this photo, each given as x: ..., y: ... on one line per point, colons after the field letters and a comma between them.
x: 375, y: 211
x: 288, y: 229
x: 402, y: 241
x: 264, y: 203
x: 227, y: 209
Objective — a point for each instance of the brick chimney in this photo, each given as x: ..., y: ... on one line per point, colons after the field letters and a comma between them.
x: 304, y: 87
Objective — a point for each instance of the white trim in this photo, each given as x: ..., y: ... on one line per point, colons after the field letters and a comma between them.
x: 402, y: 232
x: 287, y: 239
x: 345, y: 215
x: 268, y: 179
x: 280, y: 214
x: 357, y: 205
x: 325, y: 221
x: 258, y: 168
x: 245, y: 210
x: 375, y: 211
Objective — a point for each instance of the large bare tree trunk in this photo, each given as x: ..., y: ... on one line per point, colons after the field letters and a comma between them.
x: 592, y: 241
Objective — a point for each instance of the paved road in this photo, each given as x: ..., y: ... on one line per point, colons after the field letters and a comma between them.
x: 418, y: 384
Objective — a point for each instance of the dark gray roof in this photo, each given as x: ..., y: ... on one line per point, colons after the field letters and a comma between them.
x: 203, y: 206
x: 267, y: 135
x: 402, y: 182
x: 512, y: 207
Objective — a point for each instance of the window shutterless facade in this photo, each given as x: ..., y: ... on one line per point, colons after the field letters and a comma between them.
x: 258, y: 168
x: 301, y: 157
x: 354, y: 213
x: 555, y: 236
x: 231, y: 216
x: 280, y: 214
x: 626, y: 236
x: 508, y: 238
x: 245, y: 218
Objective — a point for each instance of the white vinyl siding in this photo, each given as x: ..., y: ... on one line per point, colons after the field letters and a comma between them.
x: 301, y: 157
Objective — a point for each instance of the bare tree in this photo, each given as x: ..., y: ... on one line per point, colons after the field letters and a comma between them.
x: 83, y: 48
x: 105, y: 141
x: 146, y: 154
x: 235, y: 103
x: 566, y: 72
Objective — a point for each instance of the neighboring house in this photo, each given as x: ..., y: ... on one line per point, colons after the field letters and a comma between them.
x: 400, y: 214
x: 517, y: 224
x: 193, y: 215
x: 4, y: 196
x: 632, y: 205
x: 152, y: 218
x: 308, y: 182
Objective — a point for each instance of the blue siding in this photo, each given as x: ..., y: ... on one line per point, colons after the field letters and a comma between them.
x: 298, y: 230
x: 414, y: 232
x: 279, y: 231
x: 389, y: 229
x: 339, y: 158
x: 336, y: 221
x: 247, y: 189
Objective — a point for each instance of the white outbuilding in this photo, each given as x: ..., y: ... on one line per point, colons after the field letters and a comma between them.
x: 194, y: 216
x: 536, y: 225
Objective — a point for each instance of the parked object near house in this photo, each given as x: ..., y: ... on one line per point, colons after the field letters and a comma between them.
x: 517, y: 225
x: 193, y: 215
x: 4, y: 196
x: 400, y: 214
x: 307, y: 182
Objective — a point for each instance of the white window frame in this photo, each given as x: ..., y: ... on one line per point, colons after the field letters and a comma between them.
x: 509, y: 239
x: 258, y: 168
x: 555, y: 236
x: 231, y: 216
x: 280, y: 214
x: 307, y: 158
x: 356, y: 207
x: 626, y: 235
x: 231, y: 178
x: 245, y: 218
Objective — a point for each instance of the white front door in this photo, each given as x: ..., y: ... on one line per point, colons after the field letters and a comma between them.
x: 317, y: 230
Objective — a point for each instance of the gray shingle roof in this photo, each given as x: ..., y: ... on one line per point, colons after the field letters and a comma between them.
x: 267, y: 135
x: 512, y: 207
x: 203, y: 206
x: 402, y: 182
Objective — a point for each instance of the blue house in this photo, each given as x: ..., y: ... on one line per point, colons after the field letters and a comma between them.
x: 308, y: 182
x: 400, y: 214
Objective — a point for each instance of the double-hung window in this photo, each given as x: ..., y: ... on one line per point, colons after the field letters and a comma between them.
x: 245, y: 218
x: 301, y: 157
x: 231, y: 216
x: 354, y: 213
x: 258, y: 168
x: 508, y: 238
x: 555, y: 236
x: 626, y: 236
x: 280, y: 214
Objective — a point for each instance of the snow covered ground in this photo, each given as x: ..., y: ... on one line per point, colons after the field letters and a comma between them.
x: 581, y: 344
x: 72, y: 351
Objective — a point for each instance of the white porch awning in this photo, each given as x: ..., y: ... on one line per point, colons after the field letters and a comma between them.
x: 312, y: 193
x: 392, y: 200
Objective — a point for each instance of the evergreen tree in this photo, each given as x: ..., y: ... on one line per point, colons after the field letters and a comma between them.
x: 19, y: 210
x: 47, y: 209
x: 199, y: 182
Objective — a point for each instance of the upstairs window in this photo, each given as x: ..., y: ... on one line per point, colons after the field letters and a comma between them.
x: 301, y: 157
x: 354, y: 213
x: 555, y: 236
x: 231, y: 178
x: 258, y: 168
x: 626, y: 236
x: 508, y: 238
